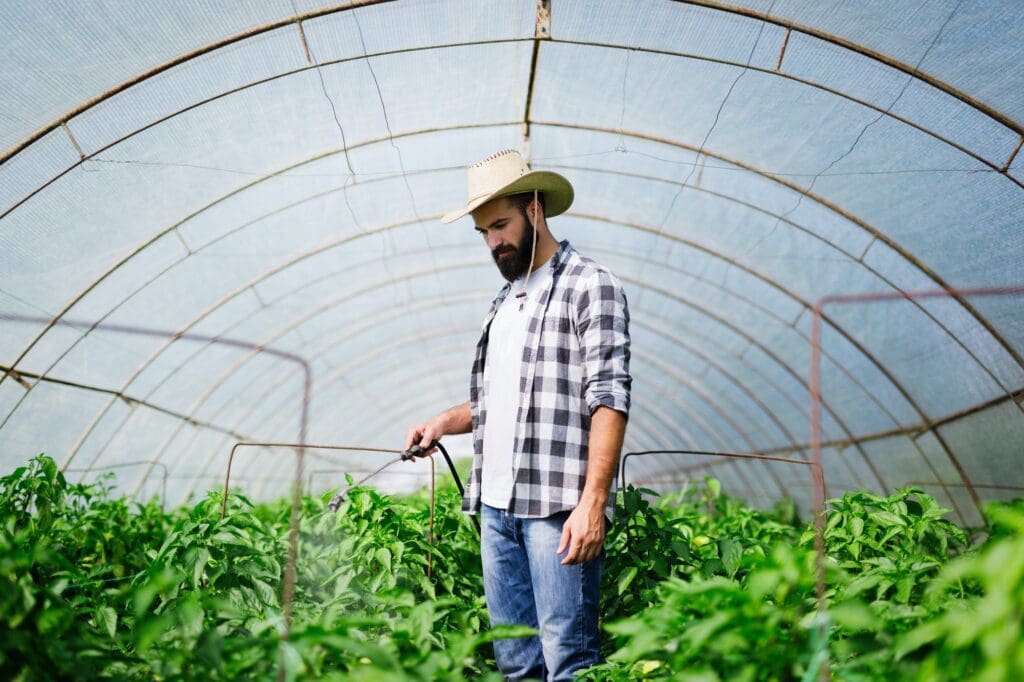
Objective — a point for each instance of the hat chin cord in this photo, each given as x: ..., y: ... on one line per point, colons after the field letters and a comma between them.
x: 533, y: 253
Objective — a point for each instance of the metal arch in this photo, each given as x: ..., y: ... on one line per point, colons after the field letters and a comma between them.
x: 924, y: 310
x: 834, y: 325
x: 181, y: 59
x: 208, y: 311
x: 856, y: 344
x: 938, y: 84
x: 867, y: 52
x: 722, y: 256
x: 813, y: 197
x: 362, y: 360
x: 805, y: 194
x: 271, y: 388
x: 853, y: 258
x: 749, y: 338
x: 309, y: 254
x: 290, y: 327
x: 328, y: 384
x: 176, y: 226
x: 885, y: 239
x: 358, y: 331
x: 777, y: 180
x: 993, y: 165
x: 343, y: 241
x: 380, y: 351
x: 762, y: 278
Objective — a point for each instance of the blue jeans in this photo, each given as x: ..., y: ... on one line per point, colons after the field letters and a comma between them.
x: 526, y: 584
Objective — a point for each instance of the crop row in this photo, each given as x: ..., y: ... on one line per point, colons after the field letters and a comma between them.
x: 697, y: 585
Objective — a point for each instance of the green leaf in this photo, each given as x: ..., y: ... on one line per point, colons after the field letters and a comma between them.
x: 626, y: 579
x: 731, y: 552
x: 106, y: 620
x: 202, y: 558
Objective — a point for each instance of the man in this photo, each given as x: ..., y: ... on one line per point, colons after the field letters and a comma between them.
x: 549, y: 400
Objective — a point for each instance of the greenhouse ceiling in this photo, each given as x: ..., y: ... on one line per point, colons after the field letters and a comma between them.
x: 274, y: 172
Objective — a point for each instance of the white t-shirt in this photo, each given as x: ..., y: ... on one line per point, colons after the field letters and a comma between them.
x: 502, y: 373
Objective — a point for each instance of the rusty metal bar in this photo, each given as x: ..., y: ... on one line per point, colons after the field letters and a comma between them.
x: 782, y: 50
x: 542, y: 31
x: 74, y: 142
x: 1013, y: 155
x: 20, y: 375
x: 815, y: 377
x: 983, y: 486
x: 289, y: 578
x: 817, y: 504
x: 708, y: 453
x: 279, y: 444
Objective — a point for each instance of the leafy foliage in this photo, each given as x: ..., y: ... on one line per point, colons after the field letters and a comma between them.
x: 697, y: 586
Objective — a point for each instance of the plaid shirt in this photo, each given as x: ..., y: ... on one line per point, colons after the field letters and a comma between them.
x: 575, y: 358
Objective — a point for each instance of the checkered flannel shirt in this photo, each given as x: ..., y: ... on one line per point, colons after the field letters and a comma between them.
x: 575, y: 358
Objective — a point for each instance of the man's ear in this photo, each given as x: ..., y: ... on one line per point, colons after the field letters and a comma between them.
x: 535, y: 212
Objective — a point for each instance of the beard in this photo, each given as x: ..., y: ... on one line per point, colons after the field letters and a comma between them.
x: 515, y: 264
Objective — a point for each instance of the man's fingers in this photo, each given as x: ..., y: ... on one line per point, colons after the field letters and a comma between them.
x: 566, y: 536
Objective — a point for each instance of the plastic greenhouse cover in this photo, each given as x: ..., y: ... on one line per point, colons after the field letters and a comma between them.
x: 275, y: 172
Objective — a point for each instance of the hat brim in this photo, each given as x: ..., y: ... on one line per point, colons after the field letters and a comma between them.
x: 558, y: 194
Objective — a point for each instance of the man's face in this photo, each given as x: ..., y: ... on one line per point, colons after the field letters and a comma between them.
x: 507, y: 234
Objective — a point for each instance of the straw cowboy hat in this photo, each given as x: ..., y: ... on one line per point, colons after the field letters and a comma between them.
x: 506, y: 173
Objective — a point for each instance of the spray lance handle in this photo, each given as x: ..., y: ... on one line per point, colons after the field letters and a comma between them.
x: 417, y: 451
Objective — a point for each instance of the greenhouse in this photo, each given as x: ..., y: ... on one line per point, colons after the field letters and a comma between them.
x: 228, y: 296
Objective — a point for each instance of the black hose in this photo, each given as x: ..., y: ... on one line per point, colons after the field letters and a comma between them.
x: 417, y: 451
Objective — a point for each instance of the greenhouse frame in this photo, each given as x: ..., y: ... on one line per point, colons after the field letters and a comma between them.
x: 220, y: 225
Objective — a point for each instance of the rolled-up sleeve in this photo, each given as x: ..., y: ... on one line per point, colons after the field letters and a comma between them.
x: 602, y: 324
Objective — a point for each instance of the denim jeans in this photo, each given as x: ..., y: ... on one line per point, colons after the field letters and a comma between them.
x: 526, y: 584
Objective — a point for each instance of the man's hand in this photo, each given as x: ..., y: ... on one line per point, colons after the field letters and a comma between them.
x: 583, y: 532
x: 454, y: 420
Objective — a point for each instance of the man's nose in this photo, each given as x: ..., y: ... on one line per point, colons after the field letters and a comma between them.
x: 493, y: 241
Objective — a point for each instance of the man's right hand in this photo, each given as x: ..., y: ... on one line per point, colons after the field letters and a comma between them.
x: 458, y: 419
x: 424, y: 434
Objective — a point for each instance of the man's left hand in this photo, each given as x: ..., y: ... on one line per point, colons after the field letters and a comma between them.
x: 583, y: 532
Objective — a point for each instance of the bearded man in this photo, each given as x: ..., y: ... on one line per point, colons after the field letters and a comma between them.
x: 549, y: 400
